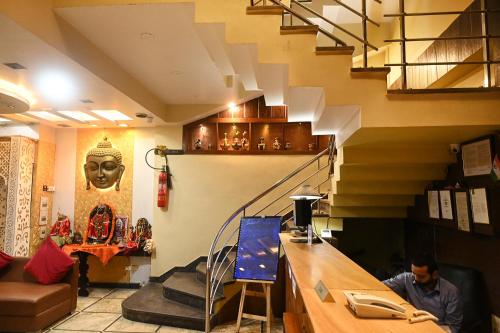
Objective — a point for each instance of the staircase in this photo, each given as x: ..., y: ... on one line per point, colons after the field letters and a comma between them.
x: 179, y: 301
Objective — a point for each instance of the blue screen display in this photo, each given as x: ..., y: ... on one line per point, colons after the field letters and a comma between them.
x: 258, y: 249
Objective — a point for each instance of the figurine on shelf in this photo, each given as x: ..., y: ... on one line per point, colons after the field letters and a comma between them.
x: 236, y: 141
x: 276, y: 144
x: 225, y: 144
x: 61, y: 230
x: 288, y: 145
x: 311, y: 146
x: 244, y: 141
x: 262, y: 144
x: 101, y: 225
x: 121, y: 227
x: 197, y: 144
x: 143, y: 232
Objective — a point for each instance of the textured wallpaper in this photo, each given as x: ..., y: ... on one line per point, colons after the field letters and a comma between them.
x: 85, y: 200
x: 4, y: 176
x: 44, y: 175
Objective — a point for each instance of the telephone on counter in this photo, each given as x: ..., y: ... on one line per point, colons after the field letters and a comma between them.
x: 370, y: 306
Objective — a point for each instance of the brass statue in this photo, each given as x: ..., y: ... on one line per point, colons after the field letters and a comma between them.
x: 103, y: 166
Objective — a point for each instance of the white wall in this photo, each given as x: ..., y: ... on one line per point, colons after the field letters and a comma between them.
x: 142, y: 192
x: 65, y: 173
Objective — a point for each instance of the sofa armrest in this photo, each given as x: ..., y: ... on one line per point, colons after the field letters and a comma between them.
x: 72, y: 279
x: 14, y: 272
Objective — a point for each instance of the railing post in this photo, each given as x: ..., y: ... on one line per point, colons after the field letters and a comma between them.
x: 486, y: 43
x: 365, y: 34
x: 404, y: 83
x: 207, y: 297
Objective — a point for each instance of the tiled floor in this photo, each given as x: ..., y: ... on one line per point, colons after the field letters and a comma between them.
x: 101, y: 312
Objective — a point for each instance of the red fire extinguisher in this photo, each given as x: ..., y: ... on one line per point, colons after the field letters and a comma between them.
x: 164, y: 185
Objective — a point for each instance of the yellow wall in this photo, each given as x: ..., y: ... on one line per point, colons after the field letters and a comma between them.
x: 85, y: 200
x: 207, y: 190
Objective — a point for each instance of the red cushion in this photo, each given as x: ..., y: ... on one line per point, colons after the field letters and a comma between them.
x: 5, y: 259
x: 49, y: 264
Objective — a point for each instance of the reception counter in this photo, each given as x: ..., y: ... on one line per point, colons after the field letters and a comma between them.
x: 306, y: 265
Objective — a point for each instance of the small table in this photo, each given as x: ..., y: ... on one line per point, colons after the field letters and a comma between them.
x: 103, y: 252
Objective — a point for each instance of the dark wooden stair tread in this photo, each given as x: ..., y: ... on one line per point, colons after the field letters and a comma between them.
x: 264, y: 10
x: 299, y: 29
x: 334, y: 50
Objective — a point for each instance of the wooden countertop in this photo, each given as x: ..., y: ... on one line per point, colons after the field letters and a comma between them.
x: 310, y: 264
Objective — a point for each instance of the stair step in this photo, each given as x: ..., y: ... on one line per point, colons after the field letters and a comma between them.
x: 264, y: 10
x: 370, y: 72
x: 395, y: 155
x: 148, y: 305
x: 334, y: 50
x: 201, y: 274
x: 361, y: 200
x: 369, y: 212
x: 299, y: 29
x: 379, y: 187
x: 185, y: 288
x: 401, y: 171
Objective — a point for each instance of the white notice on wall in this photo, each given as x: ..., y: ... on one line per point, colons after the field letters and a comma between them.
x: 479, y: 206
x: 433, y: 203
x: 44, y: 210
x: 477, y: 158
x: 462, y: 211
x: 445, y: 200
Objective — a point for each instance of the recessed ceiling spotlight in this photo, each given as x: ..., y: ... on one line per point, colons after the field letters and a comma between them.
x: 146, y: 35
x: 123, y: 125
x: 86, y: 101
x: 93, y: 125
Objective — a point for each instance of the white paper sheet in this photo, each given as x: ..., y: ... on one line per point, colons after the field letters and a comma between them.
x: 462, y: 211
x: 477, y: 158
x: 445, y: 200
x: 479, y: 206
x: 433, y: 203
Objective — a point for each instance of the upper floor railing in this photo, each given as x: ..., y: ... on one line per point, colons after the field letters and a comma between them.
x: 300, y: 18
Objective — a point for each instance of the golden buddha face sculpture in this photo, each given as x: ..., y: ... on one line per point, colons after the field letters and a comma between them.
x: 103, y: 166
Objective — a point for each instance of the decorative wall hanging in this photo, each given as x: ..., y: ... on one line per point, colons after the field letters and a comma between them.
x: 103, y: 166
x: 121, y: 228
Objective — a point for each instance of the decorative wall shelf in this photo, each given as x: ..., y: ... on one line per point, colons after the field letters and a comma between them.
x: 251, y: 128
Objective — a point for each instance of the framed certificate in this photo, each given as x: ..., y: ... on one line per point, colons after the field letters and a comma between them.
x: 433, y: 204
x: 477, y: 157
x: 462, y: 210
x: 446, y: 205
x: 480, y: 211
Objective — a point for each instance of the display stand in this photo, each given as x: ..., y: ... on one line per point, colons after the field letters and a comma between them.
x: 266, y: 293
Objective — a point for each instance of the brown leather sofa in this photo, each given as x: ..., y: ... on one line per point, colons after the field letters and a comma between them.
x: 26, y: 305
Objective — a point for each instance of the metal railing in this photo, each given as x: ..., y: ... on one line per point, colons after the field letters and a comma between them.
x: 486, y: 37
x: 220, y: 249
x: 337, y: 40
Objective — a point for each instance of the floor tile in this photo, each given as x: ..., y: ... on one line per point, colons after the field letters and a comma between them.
x: 99, y: 292
x: 60, y: 321
x: 67, y: 331
x: 125, y: 325
x: 89, y: 321
x: 121, y: 293
x: 106, y: 305
x: 84, y: 302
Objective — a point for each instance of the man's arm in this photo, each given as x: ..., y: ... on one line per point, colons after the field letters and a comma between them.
x: 454, y: 312
x: 398, y: 284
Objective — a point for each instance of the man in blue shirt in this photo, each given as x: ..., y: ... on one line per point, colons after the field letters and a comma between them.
x: 425, y: 290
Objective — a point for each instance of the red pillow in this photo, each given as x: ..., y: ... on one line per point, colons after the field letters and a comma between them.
x: 5, y: 259
x: 49, y: 264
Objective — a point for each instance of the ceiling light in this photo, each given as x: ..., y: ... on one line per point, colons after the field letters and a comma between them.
x: 56, y: 86
x: 86, y: 101
x: 14, y: 65
x: 14, y: 98
x: 93, y: 125
x: 112, y: 115
x: 123, y: 125
x: 78, y: 115
x: 46, y: 115
x: 4, y: 120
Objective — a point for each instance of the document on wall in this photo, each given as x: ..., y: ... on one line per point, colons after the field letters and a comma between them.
x: 477, y: 158
x: 44, y: 210
x: 479, y: 206
x: 462, y: 211
x: 433, y: 203
x: 445, y: 200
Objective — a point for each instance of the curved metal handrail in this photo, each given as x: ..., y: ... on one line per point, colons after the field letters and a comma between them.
x: 211, y: 264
